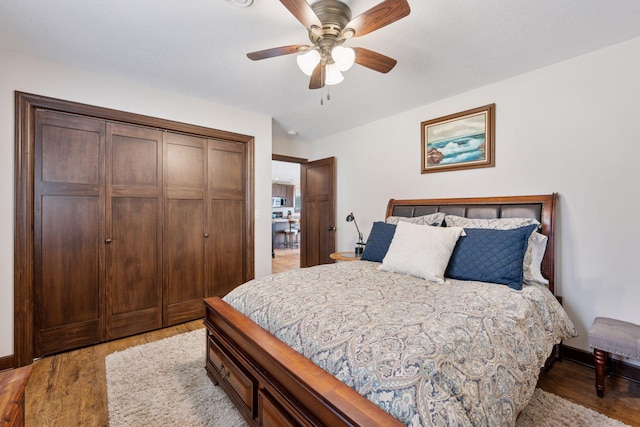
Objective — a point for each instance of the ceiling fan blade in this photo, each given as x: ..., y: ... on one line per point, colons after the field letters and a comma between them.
x: 385, y: 13
x: 317, y: 78
x: 277, y: 51
x: 303, y: 12
x: 374, y: 60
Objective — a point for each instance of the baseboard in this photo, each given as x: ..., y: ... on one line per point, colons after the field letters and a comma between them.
x: 618, y: 367
x: 6, y: 362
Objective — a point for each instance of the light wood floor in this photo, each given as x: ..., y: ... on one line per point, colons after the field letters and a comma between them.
x: 285, y: 259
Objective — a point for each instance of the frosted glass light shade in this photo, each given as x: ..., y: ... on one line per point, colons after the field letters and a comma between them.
x: 334, y: 76
x: 308, y: 61
x: 344, y: 57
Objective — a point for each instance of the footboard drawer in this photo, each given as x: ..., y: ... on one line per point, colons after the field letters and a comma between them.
x: 274, y: 385
x: 272, y: 414
x: 231, y: 377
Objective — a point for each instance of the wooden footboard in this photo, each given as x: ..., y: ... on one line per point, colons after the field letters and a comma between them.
x: 273, y: 385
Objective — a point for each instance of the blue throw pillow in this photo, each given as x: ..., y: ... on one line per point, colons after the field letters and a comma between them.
x: 379, y: 241
x: 494, y: 256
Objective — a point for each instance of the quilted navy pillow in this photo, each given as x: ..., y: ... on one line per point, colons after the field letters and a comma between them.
x: 493, y: 256
x: 379, y: 241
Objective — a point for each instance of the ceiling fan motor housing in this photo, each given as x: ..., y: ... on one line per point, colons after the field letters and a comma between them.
x: 334, y: 16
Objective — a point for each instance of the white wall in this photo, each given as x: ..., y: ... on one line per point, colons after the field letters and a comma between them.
x: 571, y: 128
x: 291, y: 146
x: 34, y: 75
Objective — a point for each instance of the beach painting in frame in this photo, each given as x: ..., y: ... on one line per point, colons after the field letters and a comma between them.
x: 459, y: 141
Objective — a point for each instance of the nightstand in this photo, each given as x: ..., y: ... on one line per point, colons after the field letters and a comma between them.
x: 345, y: 256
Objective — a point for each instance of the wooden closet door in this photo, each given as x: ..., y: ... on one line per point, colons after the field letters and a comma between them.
x: 68, y: 230
x: 227, y: 198
x: 134, y: 230
x: 185, y: 234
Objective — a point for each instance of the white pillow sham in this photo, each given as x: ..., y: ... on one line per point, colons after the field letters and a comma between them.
x: 538, y: 245
x: 435, y: 219
x: 421, y: 251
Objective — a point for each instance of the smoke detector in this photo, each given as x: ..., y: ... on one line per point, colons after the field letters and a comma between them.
x: 240, y: 3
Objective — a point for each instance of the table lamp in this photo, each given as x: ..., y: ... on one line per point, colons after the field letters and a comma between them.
x: 360, y: 245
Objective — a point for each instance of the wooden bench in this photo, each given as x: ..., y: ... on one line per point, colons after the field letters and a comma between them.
x: 608, y: 336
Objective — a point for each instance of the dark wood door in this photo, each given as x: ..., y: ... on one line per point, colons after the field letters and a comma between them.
x: 227, y: 211
x: 318, y: 225
x: 134, y: 230
x: 185, y: 233
x: 68, y: 229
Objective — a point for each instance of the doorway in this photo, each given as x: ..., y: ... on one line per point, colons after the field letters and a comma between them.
x: 286, y: 213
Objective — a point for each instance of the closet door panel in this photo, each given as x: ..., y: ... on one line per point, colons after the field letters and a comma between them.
x: 134, y: 158
x: 68, y: 225
x: 227, y: 262
x: 186, y: 236
x: 226, y: 169
x: 133, y: 299
x: 68, y: 296
x: 134, y: 225
x: 227, y: 204
x: 184, y: 258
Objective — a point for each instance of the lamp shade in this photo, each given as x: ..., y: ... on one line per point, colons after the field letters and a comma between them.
x: 344, y: 57
x: 308, y: 61
x: 334, y: 76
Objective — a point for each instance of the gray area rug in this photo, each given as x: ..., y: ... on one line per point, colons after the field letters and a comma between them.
x: 164, y: 383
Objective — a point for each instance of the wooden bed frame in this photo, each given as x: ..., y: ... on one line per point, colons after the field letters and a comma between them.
x: 273, y: 385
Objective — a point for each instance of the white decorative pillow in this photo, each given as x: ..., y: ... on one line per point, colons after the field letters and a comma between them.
x: 421, y: 251
x: 537, y: 241
x: 434, y: 219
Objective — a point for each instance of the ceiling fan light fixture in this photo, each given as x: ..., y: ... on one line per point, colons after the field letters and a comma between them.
x: 334, y: 76
x: 308, y: 61
x: 344, y: 57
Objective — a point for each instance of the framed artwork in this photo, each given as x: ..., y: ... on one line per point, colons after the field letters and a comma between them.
x: 459, y: 141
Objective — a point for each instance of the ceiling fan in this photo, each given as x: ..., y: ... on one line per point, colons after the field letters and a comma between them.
x: 330, y: 24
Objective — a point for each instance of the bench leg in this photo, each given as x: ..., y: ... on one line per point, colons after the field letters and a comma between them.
x: 601, y: 360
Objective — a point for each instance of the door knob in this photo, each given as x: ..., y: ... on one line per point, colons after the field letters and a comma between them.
x: 331, y: 229
x: 206, y: 235
x: 107, y: 240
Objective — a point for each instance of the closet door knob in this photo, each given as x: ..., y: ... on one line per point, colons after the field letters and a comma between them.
x: 107, y: 240
x: 206, y: 235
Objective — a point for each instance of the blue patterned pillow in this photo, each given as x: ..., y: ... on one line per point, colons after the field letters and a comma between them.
x: 379, y: 241
x: 493, y: 256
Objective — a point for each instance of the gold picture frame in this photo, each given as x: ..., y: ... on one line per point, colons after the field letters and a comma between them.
x: 462, y: 140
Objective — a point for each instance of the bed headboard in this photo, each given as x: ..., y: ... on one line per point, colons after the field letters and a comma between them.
x: 540, y: 207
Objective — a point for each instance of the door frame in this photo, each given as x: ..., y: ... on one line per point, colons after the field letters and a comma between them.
x: 25, y: 108
x: 290, y: 159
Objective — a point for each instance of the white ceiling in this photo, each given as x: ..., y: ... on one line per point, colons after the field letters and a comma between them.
x: 198, y: 48
x: 285, y: 172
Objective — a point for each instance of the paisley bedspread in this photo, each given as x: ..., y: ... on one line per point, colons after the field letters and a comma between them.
x: 458, y: 353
